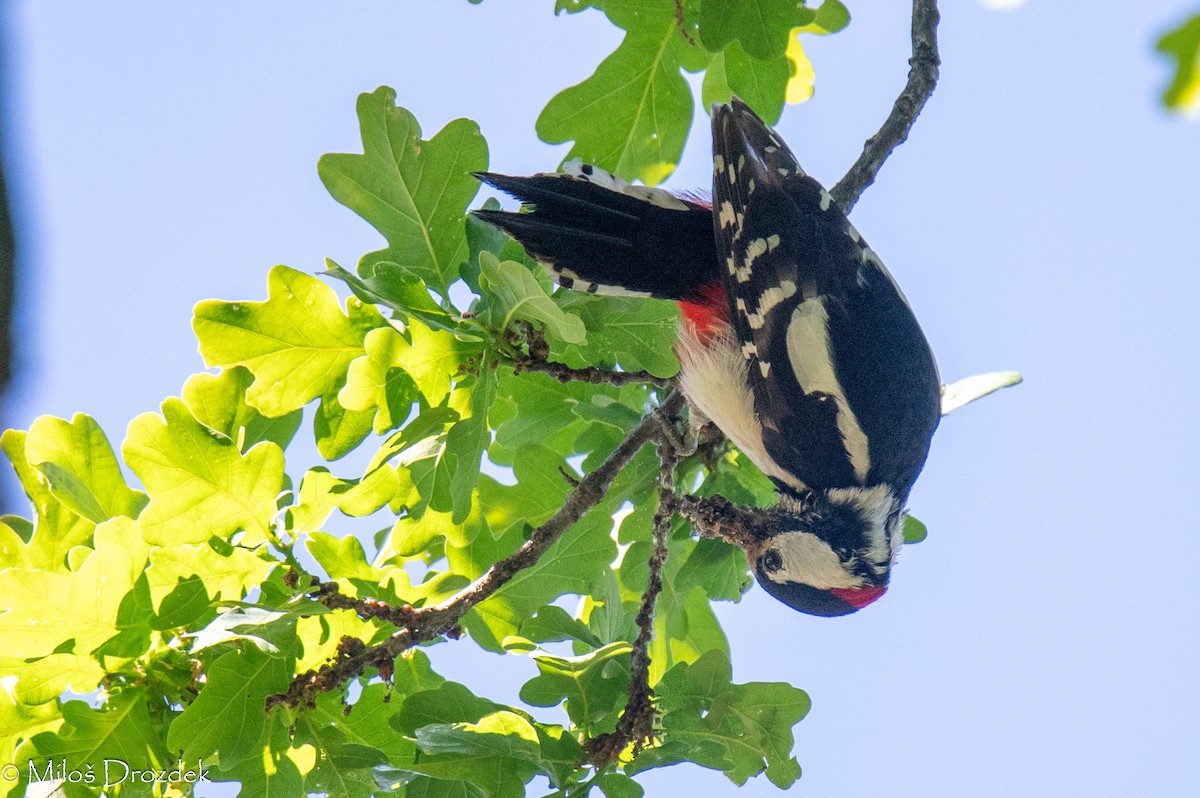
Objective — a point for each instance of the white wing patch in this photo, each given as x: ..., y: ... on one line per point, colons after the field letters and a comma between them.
x: 757, y: 318
x: 812, y: 361
x: 569, y: 279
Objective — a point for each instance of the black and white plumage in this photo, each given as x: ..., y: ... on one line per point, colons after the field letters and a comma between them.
x: 796, y: 342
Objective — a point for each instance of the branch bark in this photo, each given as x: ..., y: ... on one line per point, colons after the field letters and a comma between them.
x: 636, y: 724
x: 922, y: 79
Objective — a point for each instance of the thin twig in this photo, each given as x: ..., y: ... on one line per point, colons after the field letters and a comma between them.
x: 636, y: 724
x: 595, y: 376
x: 922, y: 78
x: 426, y: 623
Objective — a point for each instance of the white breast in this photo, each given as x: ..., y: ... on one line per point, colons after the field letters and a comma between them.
x: 713, y: 376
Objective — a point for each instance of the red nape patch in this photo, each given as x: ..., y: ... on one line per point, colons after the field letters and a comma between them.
x: 859, y: 597
x: 705, y: 308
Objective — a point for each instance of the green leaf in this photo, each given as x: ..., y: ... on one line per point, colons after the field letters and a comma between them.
x: 431, y: 359
x: 219, y: 402
x: 591, y: 688
x: 741, y: 729
x: 569, y: 566
x: 914, y: 530
x: 512, y: 292
x: 448, y: 702
x: 80, y: 468
x: 42, y: 680
x: 229, y: 715
x: 538, y: 494
x: 967, y: 390
x: 552, y: 623
x: 200, y: 485
x: 632, y: 115
x: 339, y: 431
x: 498, y: 754
x: 717, y: 567
x: 279, y: 770
x: 831, y: 17
x: 377, y: 383
x: 414, y: 192
x: 618, y: 785
x: 342, y: 556
x: 575, y: 6
x: 19, y: 722
x: 761, y: 26
x: 59, y: 528
x: 636, y: 334
x: 321, y: 493
x: 225, y: 572
x: 466, y: 442
x: 348, y: 746
x: 404, y: 293
x: 119, y: 732
x: 47, y: 609
x: 763, y: 85
x: 298, y: 343
x: 1183, y: 45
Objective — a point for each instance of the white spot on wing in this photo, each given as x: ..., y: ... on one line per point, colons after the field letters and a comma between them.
x: 726, y: 217
x: 577, y: 283
x: 767, y: 302
x: 597, y: 176
x: 812, y: 362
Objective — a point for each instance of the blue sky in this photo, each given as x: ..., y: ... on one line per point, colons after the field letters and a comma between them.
x: 1042, y: 217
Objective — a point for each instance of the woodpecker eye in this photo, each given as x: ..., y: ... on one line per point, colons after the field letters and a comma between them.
x: 772, y: 561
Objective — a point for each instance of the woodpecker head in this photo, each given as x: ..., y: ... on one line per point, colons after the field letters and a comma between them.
x: 831, y: 552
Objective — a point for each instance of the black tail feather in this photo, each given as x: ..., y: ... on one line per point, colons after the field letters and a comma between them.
x: 606, y: 241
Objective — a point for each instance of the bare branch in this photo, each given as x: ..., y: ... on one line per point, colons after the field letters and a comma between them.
x: 922, y: 78
x: 636, y: 724
x: 423, y: 624
x: 595, y: 376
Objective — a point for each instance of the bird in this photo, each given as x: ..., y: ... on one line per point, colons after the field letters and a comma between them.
x: 794, y: 340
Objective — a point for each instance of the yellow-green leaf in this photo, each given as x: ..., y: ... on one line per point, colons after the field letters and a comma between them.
x: 80, y: 468
x: 298, y: 343
x: 200, y: 485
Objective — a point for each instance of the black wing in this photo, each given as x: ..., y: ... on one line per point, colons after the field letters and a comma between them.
x: 842, y: 376
x: 599, y: 234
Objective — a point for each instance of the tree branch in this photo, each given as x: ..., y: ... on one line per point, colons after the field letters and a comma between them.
x: 595, y: 376
x: 423, y: 624
x: 636, y: 724
x: 922, y: 78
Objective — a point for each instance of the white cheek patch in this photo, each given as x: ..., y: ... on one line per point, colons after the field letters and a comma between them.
x: 809, y: 560
x: 812, y: 361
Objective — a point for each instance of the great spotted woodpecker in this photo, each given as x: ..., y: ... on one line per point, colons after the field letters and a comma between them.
x: 795, y: 341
